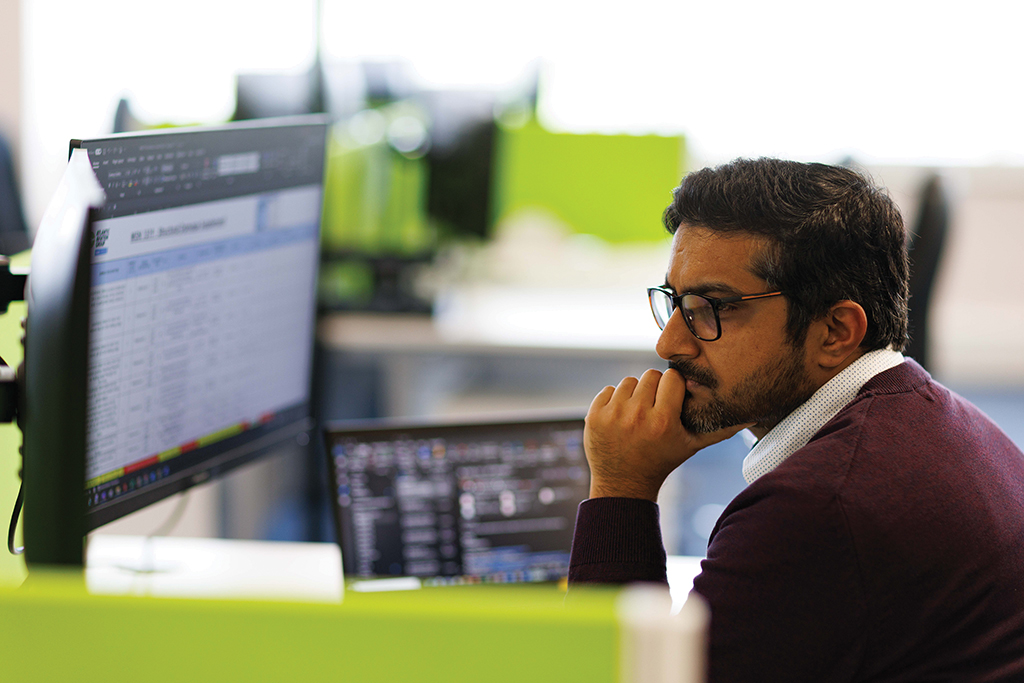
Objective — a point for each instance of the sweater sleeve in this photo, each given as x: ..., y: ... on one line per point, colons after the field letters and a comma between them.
x: 617, y: 540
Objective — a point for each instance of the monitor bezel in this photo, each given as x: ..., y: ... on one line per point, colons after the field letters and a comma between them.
x: 290, y: 427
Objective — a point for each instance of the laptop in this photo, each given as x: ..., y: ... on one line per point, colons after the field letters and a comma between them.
x: 455, y: 503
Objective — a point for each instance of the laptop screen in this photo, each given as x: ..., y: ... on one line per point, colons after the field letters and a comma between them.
x: 458, y: 503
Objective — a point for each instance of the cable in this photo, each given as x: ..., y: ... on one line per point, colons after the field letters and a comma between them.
x: 165, y: 528
x: 175, y: 516
x: 14, y: 522
x: 148, y: 565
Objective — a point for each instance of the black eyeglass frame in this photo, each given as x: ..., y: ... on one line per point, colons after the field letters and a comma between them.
x: 716, y: 303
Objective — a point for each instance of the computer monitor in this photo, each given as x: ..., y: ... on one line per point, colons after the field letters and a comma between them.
x: 491, y: 502
x: 201, y: 310
x: 51, y: 410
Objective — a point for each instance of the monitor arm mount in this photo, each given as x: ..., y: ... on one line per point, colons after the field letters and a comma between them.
x: 12, y: 288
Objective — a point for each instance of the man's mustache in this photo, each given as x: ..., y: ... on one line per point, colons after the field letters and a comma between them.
x: 689, y: 370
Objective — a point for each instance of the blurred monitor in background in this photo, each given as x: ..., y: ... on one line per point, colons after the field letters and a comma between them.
x: 411, y: 171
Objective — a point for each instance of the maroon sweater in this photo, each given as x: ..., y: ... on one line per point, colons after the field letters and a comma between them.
x: 889, y: 548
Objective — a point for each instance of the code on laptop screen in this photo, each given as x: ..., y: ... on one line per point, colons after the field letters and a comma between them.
x: 475, y: 503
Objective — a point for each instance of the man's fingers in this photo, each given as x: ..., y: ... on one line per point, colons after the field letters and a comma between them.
x: 624, y: 391
x: 671, y: 391
x: 647, y: 388
x: 602, y: 398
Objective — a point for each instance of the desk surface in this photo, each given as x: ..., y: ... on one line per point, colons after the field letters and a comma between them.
x: 213, y: 568
x: 489, y: 318
x: 220, y: 568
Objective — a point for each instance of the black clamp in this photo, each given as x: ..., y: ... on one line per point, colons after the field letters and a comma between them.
x: 12, y: 285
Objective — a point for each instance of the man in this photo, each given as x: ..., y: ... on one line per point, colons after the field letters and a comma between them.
x: 881, y: 537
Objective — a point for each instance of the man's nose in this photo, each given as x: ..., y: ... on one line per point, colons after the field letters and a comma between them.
x: 676, y: 340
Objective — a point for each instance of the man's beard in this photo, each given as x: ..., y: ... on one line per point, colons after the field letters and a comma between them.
x: 764, y: 397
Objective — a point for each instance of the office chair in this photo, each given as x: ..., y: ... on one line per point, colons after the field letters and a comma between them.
x: 14, y: 236
x: 925, y: 244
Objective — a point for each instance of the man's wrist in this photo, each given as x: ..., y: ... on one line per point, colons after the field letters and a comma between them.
x: 625, y: 489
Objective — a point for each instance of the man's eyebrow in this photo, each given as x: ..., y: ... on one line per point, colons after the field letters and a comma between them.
x: 707, y: 288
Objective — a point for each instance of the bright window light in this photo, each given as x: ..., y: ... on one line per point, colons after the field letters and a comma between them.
x: 890, y: 82
x: 885, y: 82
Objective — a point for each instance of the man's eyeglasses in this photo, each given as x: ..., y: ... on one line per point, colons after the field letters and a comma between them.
x: 700, y: 312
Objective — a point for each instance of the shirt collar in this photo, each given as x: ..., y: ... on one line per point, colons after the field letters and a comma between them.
x: 797, y: 428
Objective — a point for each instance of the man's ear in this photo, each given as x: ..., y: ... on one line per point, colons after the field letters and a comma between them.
x: 839, y: 333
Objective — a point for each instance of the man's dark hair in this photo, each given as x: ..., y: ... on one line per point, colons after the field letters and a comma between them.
x: 831, y: 235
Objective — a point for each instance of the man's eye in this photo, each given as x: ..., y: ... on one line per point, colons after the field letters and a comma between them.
x: 727, y: 308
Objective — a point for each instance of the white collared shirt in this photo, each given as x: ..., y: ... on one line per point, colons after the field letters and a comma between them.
x: 798, y: 427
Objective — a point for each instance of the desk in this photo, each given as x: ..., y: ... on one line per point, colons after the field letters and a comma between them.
x: 247, y: 570
x: 493, y: 349
x: 213, y: 568
x: 493, y: 318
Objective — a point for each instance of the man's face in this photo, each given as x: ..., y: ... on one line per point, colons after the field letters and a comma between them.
x: 752, y: 373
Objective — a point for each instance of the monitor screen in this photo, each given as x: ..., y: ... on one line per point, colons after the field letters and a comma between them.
x: 458, y: 503
x: 202, y: 308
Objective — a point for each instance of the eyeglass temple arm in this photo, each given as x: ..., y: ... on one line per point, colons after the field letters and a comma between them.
x: 748, y: 297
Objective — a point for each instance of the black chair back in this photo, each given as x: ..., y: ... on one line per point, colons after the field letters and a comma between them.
x: 926, y: 244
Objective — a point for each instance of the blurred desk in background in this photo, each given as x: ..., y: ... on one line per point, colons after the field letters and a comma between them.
x: 488, y: 349
x: 492, y: 318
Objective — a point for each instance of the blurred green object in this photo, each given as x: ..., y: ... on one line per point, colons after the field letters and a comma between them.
x: 378, y: 228
x: 55, y: 631
x: 612, y: 186
x: 12, y: 567
x: 375, y: 192
x: 346, y: 283
x: 375, y: 225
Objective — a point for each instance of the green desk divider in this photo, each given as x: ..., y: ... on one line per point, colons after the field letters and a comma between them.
x: 52, y: 630
x: 612, y: 186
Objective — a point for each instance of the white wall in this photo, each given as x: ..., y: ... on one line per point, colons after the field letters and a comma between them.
x: 978, y: 324
x: 916, y: 81
x: 10, y: 72
x: 176, y: 63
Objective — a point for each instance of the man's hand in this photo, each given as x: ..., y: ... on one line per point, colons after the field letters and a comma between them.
x: 634, y: 437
